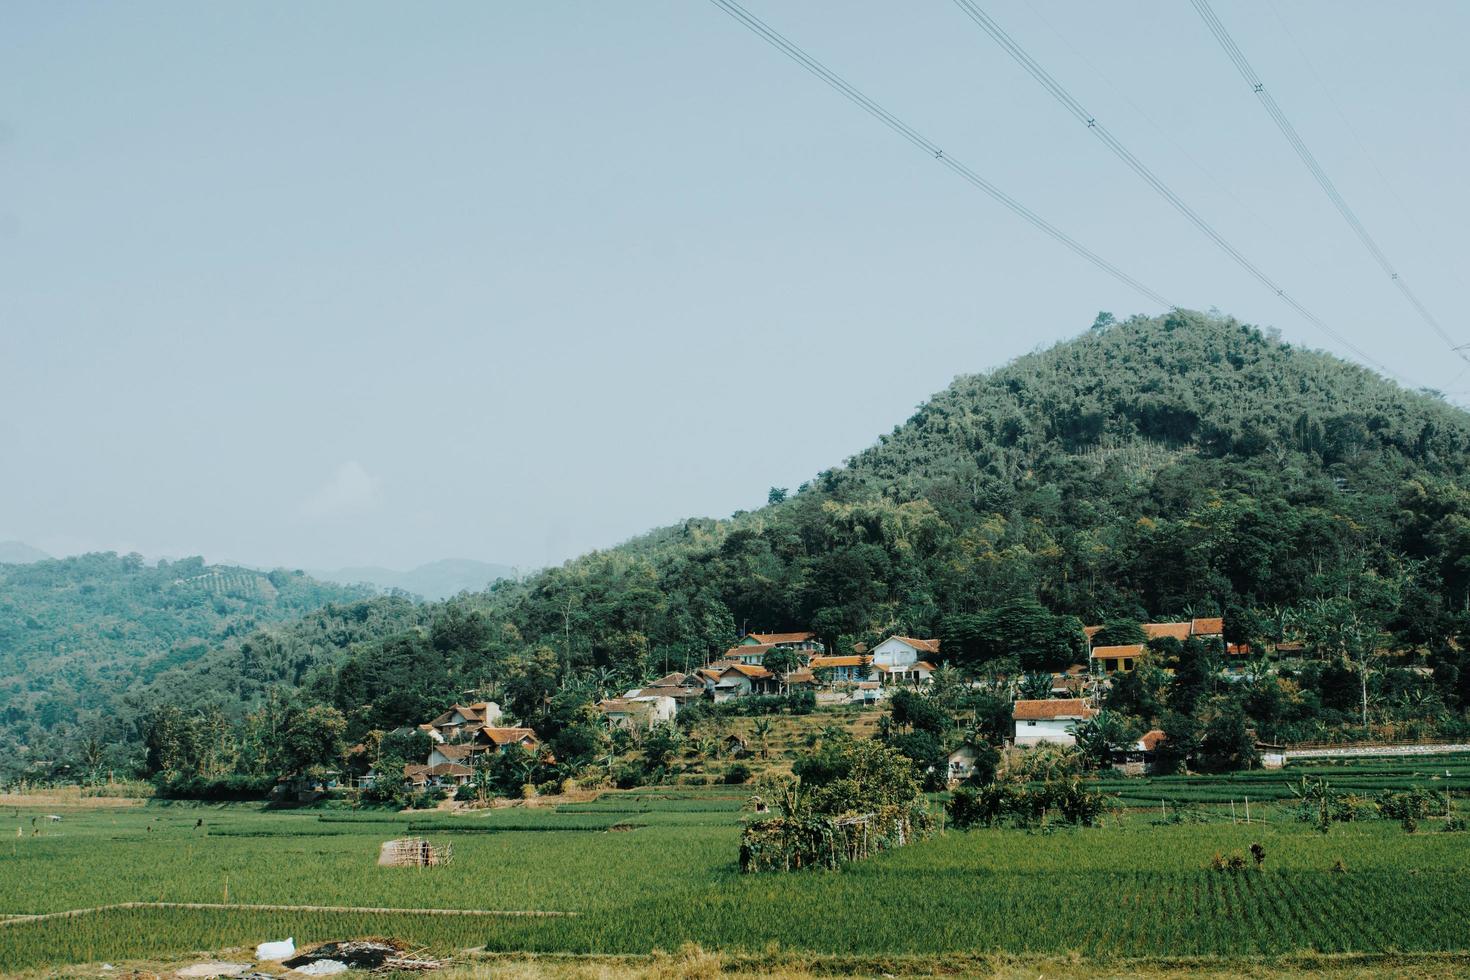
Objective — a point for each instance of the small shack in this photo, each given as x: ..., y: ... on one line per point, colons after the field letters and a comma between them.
x: 413, y: 852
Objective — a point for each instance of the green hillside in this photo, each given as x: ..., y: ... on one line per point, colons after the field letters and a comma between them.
x: 1149, y: 469
x: 1185, y: 465
x: 1153, y: 469
x: 79, y: 634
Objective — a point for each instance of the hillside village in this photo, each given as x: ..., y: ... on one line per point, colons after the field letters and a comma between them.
x: 766, y: 665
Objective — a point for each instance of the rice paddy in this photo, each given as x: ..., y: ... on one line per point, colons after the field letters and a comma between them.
x: 656, y: 869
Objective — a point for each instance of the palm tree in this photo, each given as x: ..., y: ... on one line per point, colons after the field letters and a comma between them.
x: 762, y: 732
x: 1035, y: 686
x: 946, y: 685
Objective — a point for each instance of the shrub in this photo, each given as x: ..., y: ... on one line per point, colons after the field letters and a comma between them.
x: 1414, y: 804
x: 737, y: 774
x: 1234, y: 863
x: 219, y: 788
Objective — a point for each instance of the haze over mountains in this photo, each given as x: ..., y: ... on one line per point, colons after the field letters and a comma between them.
x: 435, y: 580
x: 20, y: 553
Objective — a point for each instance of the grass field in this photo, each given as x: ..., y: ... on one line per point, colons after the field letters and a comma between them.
x: 655, y: 870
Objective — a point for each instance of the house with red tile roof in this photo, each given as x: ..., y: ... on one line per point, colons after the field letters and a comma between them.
x: 461, y: 718
x: 805, y: 641
x: 725, y: 680
x: 1053, y: 721
x: 1110, y: 660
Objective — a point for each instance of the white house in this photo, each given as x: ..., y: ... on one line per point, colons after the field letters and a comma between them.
x: 661, y: 708
x: 901, y: 660
x: 625, y: 713
x: 726, y: 680
x: 1050, y: 721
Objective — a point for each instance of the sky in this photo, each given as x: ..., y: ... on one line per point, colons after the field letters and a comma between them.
x: 370, y: 283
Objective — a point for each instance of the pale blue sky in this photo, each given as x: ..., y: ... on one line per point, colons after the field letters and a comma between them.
x: 382, y: 283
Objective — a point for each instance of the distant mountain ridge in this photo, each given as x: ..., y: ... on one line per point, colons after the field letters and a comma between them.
x: 20, y: 553
x: 435, y: 580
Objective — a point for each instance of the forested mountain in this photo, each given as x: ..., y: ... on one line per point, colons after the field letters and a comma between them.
x: 1151, y: 469
x: 77, y: 634
x: 1146, y: 469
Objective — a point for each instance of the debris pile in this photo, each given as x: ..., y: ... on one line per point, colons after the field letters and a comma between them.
x: 378, y: 955
x: 323, y: 959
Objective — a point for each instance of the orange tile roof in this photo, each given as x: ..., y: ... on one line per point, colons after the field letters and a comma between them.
x: 1211, y: 626
x: 1091, y: 631
x: 818, y: 662
x: 1150, y: 739
x: 928, y: 646
x: 749, y: 670
x: 1128, y: 650
x: 748, y: 649
x: 1054, y: 708
x: 620, y: 704
x: 461, y: 751
x: 677, y: 693
x: 1179, y: 631
x: 773, y: 638
x: 505, y: 736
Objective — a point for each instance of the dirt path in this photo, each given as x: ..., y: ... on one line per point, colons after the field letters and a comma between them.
x: 221, y: 907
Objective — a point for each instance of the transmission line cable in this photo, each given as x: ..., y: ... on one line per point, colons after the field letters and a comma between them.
x: 1060, y: 93
x: 1237, y: 57
x: 821, y: 71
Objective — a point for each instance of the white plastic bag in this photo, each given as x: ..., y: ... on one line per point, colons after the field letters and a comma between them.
x: 283, y: 950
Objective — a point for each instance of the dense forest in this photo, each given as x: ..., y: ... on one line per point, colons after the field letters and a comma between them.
x: 78, y: 636
x: 1185, y: 465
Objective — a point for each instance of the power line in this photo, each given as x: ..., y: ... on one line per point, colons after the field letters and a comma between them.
x: 1060, y: 93
x: 1237, y: 57
x: 821, y: 71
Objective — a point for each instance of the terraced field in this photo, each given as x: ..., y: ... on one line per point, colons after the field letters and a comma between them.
x: 653, y: 869
x: 1363, y: 777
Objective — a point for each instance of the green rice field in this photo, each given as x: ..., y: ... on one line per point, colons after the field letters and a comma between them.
x: 650, y: 870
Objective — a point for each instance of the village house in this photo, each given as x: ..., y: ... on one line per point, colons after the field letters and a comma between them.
x: 753, y: 647
x: 453, y: 723
x: 625, y: 713
x: 1113, y: 659
x: 897, y: 660
x: 1110, y: 660
x: 901, y: 660
x: 1051, y: 721
x: 484, y: 741
x: 638, y: 710
x: 802, y: 642
x: 1138, y: 758
x: 1073, y: 682
x: 683, y: 688
x: 725, y: 681
x: 845, y: 669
